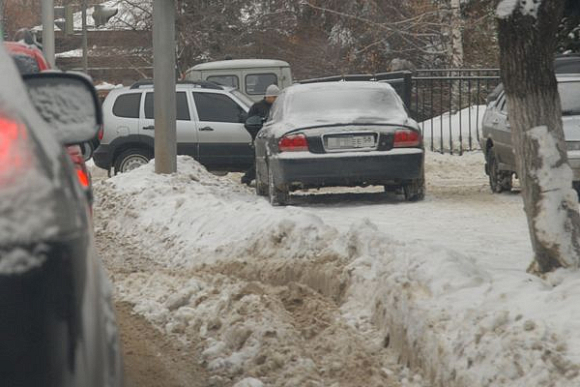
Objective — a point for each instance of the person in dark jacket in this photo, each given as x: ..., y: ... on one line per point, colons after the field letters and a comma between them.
x: 261, y: 109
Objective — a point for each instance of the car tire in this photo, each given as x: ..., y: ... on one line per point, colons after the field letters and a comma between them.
x: 87, y: 149
x: 278, y: 197
x: 414, y: 191
x: 499, y: 181
x: 261, y: 188
x: 131, y: 159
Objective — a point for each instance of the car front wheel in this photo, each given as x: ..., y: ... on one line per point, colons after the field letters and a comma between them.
x: 279, y: 196
x: 132, y: 159
x: 499, y: 181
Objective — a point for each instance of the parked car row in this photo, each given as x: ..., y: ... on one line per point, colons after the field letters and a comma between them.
x: 319, y: 135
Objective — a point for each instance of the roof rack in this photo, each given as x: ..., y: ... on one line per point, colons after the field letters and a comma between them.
x: 201, y: 84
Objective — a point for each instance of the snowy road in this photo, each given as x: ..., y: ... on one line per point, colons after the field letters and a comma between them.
x: 459, y: 212
x: 343, y: 288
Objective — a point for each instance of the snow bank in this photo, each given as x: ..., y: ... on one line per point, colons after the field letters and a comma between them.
x: 462, y: 321
x: 452, y: 131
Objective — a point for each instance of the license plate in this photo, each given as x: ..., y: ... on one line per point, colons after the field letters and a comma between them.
x: 350, y: 142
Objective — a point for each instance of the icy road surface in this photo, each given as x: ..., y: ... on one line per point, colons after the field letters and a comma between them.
x: 459, y: 211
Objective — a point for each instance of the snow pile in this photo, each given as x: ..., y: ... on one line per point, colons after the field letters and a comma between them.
x: 197, y: 214
x: 454, y: 131
x: 458, y: 315
x: 507, y: 7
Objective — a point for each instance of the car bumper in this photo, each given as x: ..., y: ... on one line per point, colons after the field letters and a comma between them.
x: 103, y: 156
x: 348, y: 168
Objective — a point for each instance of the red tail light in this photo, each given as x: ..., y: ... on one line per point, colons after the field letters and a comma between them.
x: 406, y: 138
x: 293, y: 143
x: 101, y: 133
x: 14, y: 154
x: 83, y: 178
x: 76, y: 155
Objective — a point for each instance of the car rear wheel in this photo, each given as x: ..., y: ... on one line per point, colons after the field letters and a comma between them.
x: 279, y: 196
x: 499, y: 181
x: 132, y: 159
x: 415, y: 190
x: 261, y: 188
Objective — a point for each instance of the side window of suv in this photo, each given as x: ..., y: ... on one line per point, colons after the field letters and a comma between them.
x: 213, y: 107
x: 127, y: 105
x: 182, y: 108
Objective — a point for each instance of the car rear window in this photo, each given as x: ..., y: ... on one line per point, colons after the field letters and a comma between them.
x: 349, y: 103
x: 127, y: 105
x: 213, y: 107
x: 182, y: 108
x: 225, y: 80
x: 256, y: 84
x: 26, y: 64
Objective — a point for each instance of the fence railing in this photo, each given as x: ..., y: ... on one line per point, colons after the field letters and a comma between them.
x: 448, y: 104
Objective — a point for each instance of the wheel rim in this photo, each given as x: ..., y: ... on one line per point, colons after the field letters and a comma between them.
x: 133, y: 162
x: 87, y: 151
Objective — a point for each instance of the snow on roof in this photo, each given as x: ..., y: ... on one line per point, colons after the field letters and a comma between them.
x: 340, y: 85
x: 71, y: 54
x: 132, y: 15
x: 239, y: 64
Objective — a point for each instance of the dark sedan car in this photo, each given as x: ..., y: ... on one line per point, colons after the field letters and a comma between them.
x: 57, y: 326
x: 496, y: 138
x: 339, y: 134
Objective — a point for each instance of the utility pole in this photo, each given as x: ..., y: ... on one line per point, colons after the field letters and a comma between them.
x: 48, y: 31
x: 85, y: 40
x: 2, y: 21
x: 164, y: 86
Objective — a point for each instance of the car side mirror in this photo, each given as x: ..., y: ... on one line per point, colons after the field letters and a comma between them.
x: 243, y: 117
x: 68, y: 102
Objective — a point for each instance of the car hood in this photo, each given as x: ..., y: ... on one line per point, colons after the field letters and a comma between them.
x: 571, y: 128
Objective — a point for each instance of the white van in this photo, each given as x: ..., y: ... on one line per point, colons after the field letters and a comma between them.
x: 250, y: 76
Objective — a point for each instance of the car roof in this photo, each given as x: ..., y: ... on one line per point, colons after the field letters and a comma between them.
x: 179, y: 87
x: 340, y: 85
x: 18, y: 48
x: 239, y: 64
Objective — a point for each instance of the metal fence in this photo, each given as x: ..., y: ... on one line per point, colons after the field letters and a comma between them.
x: 449, y: 106
x: 448, y: 103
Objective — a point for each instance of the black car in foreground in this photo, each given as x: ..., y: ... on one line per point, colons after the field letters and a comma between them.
x: 339, y: 134
x: 57, y: 325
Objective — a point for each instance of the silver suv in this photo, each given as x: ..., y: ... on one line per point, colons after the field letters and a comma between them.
x: 209, y: 127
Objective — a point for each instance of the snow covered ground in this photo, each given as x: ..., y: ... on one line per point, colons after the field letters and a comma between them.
x: 458, y: 131
x: 322, y: 292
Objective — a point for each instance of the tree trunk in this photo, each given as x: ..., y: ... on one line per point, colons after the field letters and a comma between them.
x: 527, y: 46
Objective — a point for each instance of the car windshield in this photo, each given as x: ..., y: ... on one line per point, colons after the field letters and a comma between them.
x: 351, y: 104
x: 570, y: 96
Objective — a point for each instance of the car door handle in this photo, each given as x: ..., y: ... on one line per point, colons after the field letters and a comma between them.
x: 495, y: 122
x: 207, y: 129
x: 150, y: 127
